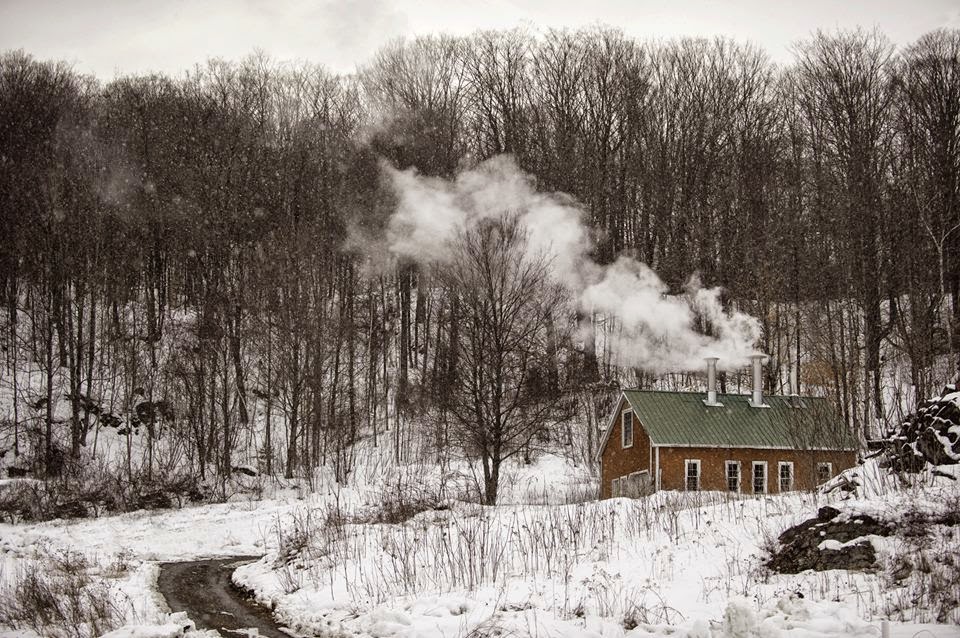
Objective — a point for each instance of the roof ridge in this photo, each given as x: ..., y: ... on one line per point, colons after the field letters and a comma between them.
x: 723, y: 394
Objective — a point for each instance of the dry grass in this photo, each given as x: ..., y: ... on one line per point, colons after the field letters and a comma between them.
x: 56, y: 594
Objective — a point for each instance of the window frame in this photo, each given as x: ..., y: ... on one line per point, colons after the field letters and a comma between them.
x: 829, y: 466
x: 726, y: 469
x: 687, y: 464
x: 615, y: 488
x: 753, y: 477
x: 793, y: 476
x: 623, y: 429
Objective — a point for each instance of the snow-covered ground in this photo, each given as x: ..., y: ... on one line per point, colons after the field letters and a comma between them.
x: 667, y: 565
x: 138, y: 541
x: 670, y: 564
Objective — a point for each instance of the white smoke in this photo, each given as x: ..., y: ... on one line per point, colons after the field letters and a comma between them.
x: 431, y: 212
x: 657, y: 331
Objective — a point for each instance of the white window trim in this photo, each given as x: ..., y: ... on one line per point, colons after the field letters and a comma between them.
x: 829, y: 471
x: 623, y: 431
x: 686, y: 473
x: 793, y: 478
x: 615, y: 488
x: 726, y: 475
x: 766, y: 477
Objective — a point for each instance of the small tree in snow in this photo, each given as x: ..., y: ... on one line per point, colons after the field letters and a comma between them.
x: 497, y: 398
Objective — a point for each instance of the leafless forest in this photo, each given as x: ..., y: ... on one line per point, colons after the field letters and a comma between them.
x: 197, y: 257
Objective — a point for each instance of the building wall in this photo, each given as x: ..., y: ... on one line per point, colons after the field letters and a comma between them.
x: 616, y: 462
x: 713, y: 466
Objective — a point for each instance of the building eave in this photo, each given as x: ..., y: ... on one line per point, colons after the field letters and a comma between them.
x: 611, y: 420
x: 720, y: 446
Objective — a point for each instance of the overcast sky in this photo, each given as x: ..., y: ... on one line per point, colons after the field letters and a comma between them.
x: 107, y: 37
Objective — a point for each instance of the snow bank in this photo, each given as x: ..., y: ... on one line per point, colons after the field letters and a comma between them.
x: 173, y: 626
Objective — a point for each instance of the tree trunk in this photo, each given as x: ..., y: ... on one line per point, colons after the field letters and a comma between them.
x: 268, y: 435
x: 228, y: 432
x: 238, y: 371
x: 91, y: 349
x: 48, y: 434
x: 491, y: 479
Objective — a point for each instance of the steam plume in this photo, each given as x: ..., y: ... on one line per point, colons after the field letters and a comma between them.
x: 658, y: 330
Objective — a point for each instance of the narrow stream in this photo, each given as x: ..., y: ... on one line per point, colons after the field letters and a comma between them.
x: 205, y: 591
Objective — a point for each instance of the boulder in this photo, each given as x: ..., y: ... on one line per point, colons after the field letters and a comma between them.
x: 931, y: 436
x: 824, y: 543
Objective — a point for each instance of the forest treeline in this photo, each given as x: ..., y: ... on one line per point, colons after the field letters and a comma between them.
x: 201, y: 244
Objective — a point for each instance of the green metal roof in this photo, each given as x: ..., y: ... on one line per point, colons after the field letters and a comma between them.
x: 682, y: 419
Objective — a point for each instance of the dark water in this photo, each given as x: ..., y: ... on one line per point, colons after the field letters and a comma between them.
x: 204, y: 590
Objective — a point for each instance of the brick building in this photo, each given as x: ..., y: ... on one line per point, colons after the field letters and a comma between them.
x: 740, y: 443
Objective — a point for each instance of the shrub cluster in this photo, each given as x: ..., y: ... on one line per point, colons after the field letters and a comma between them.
x: 92, y: 490
x: 56, y: 595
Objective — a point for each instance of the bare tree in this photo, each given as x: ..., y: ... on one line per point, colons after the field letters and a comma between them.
x: 498, y: 77
x: 847, y: 93
x: 928, y: 127
x: 506, y: 301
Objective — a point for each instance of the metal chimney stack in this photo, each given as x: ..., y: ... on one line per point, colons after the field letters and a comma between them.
x: 794, y: 387
x: 757, y: 399
x: 711, y: 399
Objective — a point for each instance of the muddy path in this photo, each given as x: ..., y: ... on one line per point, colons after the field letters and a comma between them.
x: 205, y: 591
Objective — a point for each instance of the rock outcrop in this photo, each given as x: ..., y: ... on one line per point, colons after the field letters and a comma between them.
x: 931, y: 436
x: 829, y: 541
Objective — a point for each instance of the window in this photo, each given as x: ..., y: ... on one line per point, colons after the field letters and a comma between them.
x: 786, y: 476
x: 824, y: 472
x: 759, y: 477
x: 733, y: 476
x: 693, y: 475
x: 639, y: 483
x: 626, y: 432
x: 615, y: 488
x: 644, y: 483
